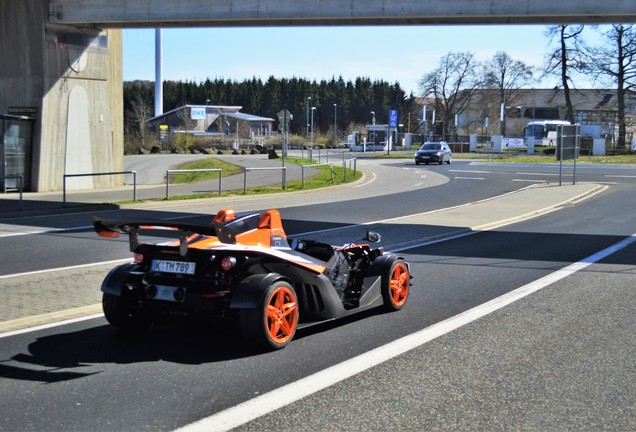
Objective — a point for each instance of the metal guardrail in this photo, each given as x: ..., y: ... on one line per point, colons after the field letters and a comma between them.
x: 168, y: 172
x: 302, y: 169
x: 341, y: 154
x: 134, y: 173
x: 353, y: 160
x: 284, y: 169
x: 20, y: 183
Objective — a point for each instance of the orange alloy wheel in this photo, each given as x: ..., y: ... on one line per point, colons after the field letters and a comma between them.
x: 282, y: 315
x: 399, y: 284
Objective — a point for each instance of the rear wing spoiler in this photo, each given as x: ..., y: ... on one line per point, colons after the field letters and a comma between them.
x: 254, y: 229
x: 114, y: 228
x: 226, y: 229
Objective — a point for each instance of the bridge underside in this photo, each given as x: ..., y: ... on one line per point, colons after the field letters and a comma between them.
x: 259, y: 13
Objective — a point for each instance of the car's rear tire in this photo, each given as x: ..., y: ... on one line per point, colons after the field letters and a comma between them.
x: 417, y: 162
x: 441, y: 159
x: 121, y: 317
x: 396, y: 285
x: 273, y: 324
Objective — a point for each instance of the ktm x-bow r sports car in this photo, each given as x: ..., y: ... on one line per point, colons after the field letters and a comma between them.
x: 244, y: 267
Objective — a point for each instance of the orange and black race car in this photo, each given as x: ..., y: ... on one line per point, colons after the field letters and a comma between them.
x: 244, y: 267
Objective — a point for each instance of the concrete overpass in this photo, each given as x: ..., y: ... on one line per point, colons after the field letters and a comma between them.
x: 61, y: 109
x: 163, y: 13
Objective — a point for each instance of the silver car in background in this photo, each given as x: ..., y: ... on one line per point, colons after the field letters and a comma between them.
x: 438, y: 152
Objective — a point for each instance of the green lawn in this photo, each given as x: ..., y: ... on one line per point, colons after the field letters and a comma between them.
x: 228, y: 169
x: 322, y: 179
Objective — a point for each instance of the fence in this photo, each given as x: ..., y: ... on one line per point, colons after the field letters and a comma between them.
x: 353, y: 160
x: 134, y: 173
x: 168, y: 172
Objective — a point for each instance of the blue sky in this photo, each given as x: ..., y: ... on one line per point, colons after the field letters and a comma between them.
x: 403, y: 54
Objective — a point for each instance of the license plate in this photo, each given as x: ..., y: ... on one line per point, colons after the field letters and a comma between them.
x: 178, y: 267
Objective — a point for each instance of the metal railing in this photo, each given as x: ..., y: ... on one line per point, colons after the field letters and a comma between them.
x: 353, y: 160
x: 284, y: 169
x: 302, y: 169
x: 20, y: 183
x: 341, y: 154
x: 168, y: 172
x: 134, y: 173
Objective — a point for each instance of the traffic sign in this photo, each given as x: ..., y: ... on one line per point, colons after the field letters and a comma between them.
x: 393, y: 119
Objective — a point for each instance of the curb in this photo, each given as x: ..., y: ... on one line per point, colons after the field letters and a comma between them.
x: 585, y: 195
x: 49, y: 318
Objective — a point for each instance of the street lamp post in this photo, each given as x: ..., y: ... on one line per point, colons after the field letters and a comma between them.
x: 311, y: 144
x: 307, y: 132
x: 373, y: 123
x: 335, y: 124
x: 205, y: 119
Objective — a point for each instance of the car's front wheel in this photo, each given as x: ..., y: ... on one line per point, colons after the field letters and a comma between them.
x: 396, y: 285
x: 273, y: 324
x: 121, y: 317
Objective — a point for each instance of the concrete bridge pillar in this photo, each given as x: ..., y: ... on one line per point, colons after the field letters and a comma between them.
x: 68, y: 80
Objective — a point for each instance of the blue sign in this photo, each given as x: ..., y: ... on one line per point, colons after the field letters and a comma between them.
x: 393, y: 119
x: 197, y: 113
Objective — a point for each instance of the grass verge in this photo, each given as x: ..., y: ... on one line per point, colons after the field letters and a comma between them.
x: 322, y: 179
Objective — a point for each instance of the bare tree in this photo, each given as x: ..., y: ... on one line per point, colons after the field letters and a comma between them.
x: 140, y: 113
x: 452, y: 85
x: 507, y: 76
x: 565, y: 59
x: 616, y: 59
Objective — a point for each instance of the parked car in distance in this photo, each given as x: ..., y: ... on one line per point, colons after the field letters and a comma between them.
x: 433, y: 152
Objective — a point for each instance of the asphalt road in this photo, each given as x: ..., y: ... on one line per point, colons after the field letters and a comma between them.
x: 558, y: 359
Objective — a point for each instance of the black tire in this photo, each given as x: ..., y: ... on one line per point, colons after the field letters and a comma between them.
x: 119, y: 316
x: 417, y: 163
x: 395, y: 286
x: 273, y: 324
x: 441, y: 160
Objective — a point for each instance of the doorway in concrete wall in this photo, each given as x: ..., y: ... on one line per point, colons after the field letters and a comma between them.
x: 15, y: 152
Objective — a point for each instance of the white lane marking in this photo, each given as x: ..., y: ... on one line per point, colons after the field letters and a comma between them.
x: 79, y: 266
x: 373, y: 179
x: 50, y: 325
x: 45, y: 231
x: 620, y: 176
x: 472, y: 172
x: 77, y: 228
x: 529, y: 180
x: 540, y: 174
x: 283, y: 396
x: 469, y: 178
